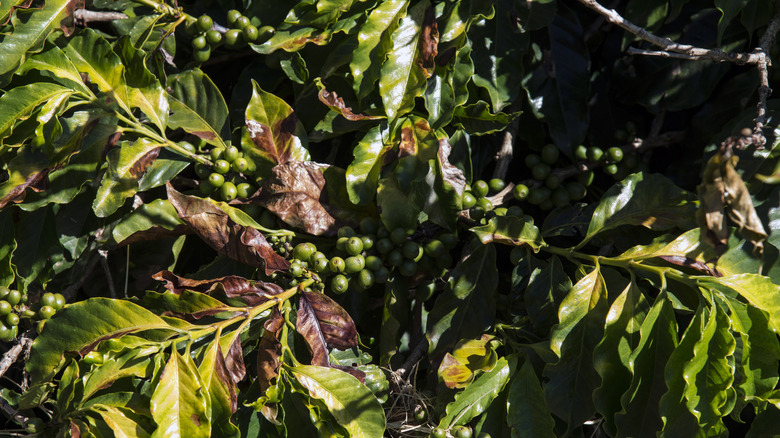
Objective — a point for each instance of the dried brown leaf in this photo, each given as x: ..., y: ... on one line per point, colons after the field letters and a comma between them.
x: 296, y: 194
x: 222, y: 368
x: 274, y: 141
x: 336, y: 103
x: 429, y: 43
x: 214, y: 226
x: 691, y: 263
x: 269, y: 351
x: 451, y: 174
x: 234, y: 361
x: 252, y: 292
x: 36, y: 182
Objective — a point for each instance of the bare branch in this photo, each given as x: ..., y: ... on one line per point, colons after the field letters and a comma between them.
x: 83, y: 17
x: 13, y: 354
x: 504, y: 155
x: 661, y: 53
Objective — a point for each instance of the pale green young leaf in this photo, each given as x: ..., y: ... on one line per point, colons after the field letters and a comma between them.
x: 611, y: 355
x: 403, y: 77
x: 647, y: 367
x: 363, y: 173
x: 83, y: 324
x: 467, y: 307
x: 651, y: 201
x: 527, y: 413
x: 123, y: 422
x: 126, y: 165
x: 374, y: 41
x: 20, y: 103
x: 573, y: 378
x: 478, y: 395
x: 179, y: 404
x: 351, y: 403
x: 31, y: 28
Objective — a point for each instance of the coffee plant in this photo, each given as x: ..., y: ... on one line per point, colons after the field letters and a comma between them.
x: 400, y: 218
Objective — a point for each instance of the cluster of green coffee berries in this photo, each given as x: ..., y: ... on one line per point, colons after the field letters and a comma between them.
x: 548, y: 189
x: 227, y: 177
x: 14, y: 308
x: 457, y: 432
x: 207, y: 36
x: 358, y: 261
x: 481, y: 209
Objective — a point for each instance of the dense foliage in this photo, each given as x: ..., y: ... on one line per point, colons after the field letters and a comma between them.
x: 385, y: 218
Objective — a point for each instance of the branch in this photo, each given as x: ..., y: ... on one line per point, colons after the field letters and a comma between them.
x: 13, y: 354
x: 414, y: 357
x: 83, y: 17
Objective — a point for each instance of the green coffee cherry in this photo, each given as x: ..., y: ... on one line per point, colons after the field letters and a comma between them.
x: 214, y: 37
x: 339, y: 284
x: 205, y: 23
x: 520, y: 192
x: 614, y: 154
x: 468, y: 200
x: 497, y: 184
x: 581, y: 153
x: 480, y: 188
x: 595, y: 153
x: 550, y: 153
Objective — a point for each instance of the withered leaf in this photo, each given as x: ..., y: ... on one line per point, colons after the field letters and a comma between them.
x: 222, y: 369
x: 234, y: 362
x: 722, y: 192
x: 323, y: 323
x: 296, y: 194
x: 429, y: 43
x: 691, y: 263
x: 451, y: 175
x: 337, y: 104
x: 36, y: 182
x: 214, y: 226
x: 269, y: 351
x: 252, y: 292
x: 274, y: 129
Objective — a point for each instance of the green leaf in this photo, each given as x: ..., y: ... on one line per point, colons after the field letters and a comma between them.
x: 82, y: 325
x: 543, y: 295
x: 7, y: 247
x: 497, y: 52
x: 477, y: 119
x: 148, y: 219
x: 126, y: 165
x: 188, y: 302
x: 510, y: 230
x: 36, y: 242
x: 20, y: 103
x: 395, y: 315
x: 648, y: 200
x: 198, y: 107
x: 273, y: 131
x: 351, y: 403
x: 473, y: 400
x: 527, y: 412
x: 397, y: 211
x: 758, y: 290
x: 144, y: 90
x: 446, y: 92
x: 31, y: 28
x: 459, y: 17
x: 611, y: 357
x: 729, y: 10
x: 363, y: 172
x: 709, y: 373
x: 133, y: 362
x: 179, y: 404
x: 93, y: 55
x: 122, y: 421
x: 647, y: 365
x: 573, y: 379
x: 404, y: 73
x: 374, y: 41
x: 467, y: 307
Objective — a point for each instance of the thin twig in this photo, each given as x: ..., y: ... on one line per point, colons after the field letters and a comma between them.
x: 764, y: 44
x: 104, y: 262
x: 661, y: 53
x: 414, y: 357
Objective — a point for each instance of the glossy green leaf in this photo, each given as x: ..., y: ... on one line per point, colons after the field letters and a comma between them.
x: 546, y: 289
x: 6, y: 8
x: 647, y: 365
x: 573, y: 379
x: 446, y: 92
x: 179, y: 404
x: 373, y: 40
x: 478, y: 120
x: 83, y: 324
x: 473, y: 400
x: 121, y: 421
x: 403, y: 74
x: 497, y: 51
x: 94, y: 55
x: 648, y: 200
x: 611, y: 357
x: 21, y: 102
x: 397, y: 211
x: 198, y: 107
x: 459, y: 17
x: 147, y: 219
x: 134, y: 362
x: 31, y: 28
x: 351, y: 403
x: 710, y: 374
x: 510, y: 230
x: 363, y: 172
x: 273, y: 129
x: 126, y: 165
x: 527, y: 413
x: 759, y: 291
x: 468, y: 305
x: 144, y: 89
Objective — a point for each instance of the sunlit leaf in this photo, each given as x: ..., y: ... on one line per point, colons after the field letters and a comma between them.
x: 198, y: 107
x: 473, y: 400
x: 363, y: 172
x: 179, y: 404
x: 126, y: 165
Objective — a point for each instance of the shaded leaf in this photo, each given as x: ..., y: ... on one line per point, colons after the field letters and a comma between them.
x: 510, y: 230
x: 477, y: 119
x: 545, y: 290
x: 151, y: 221
x: 83, y: 324
x: 219, y: 231
x: 351, y: 403
x: 648, y: 200
x: 527, y: 413
x: 395, y: 315
x: 179, y: 405
x: 29, y: 169
x: 468, y: 305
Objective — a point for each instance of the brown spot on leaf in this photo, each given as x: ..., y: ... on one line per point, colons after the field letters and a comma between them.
x: 244, y: 244
x: 234, y: 361
x: 693, y: 264
x: 429, y: 42
x: 195, y: 419
x: 269, y: 351
x: 36, y: 182
x: 277, y: 142
x: 408, y: 144
x: 295, y: 193
x: 252, y: 292
x: 138, y: 169
x: 336, y: 103
x: 223, y: 370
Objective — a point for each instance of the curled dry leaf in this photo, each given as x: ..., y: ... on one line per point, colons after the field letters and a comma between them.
x: 722, y: 187
x: 214, y: 226
x: 296, y: 193
x: 234, y: 362
x: 269, y: 351
x: 252, y: 292
x: 332, y: 100
x: 429, y: 43
x: 323, y: 324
